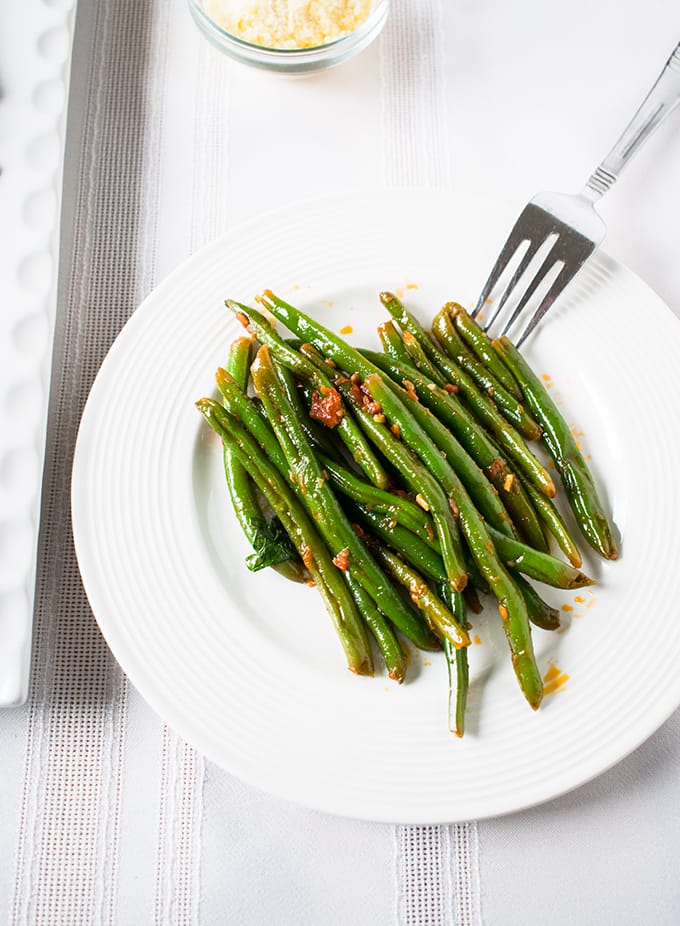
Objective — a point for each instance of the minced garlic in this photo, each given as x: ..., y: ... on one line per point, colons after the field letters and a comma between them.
x: 288, y: 23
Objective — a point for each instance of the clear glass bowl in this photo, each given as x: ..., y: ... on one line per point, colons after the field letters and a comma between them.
x: 292, y: 60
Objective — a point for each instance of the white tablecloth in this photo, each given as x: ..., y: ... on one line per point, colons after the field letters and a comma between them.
x: 106, y: 816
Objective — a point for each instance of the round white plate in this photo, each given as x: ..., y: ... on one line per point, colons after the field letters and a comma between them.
x: 246, y: 667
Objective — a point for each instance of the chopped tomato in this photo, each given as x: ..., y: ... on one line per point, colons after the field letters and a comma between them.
x: 327, y: 407
x: 342, y: 559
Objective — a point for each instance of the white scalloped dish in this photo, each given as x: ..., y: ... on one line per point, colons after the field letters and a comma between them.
x: 35, y: 54
x: 246, y: 667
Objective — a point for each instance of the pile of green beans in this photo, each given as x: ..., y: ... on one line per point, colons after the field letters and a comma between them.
x: 401, y: 483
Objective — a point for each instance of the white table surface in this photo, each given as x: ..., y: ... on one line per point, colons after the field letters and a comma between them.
x: 106, y: 816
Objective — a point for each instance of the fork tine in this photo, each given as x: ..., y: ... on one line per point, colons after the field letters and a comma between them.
x: 558, y: 285
x: 564, y: 277
x: 529, y: 254
x: 513, y: 241
x: 537, y: 279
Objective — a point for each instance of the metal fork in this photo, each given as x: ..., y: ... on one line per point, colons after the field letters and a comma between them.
x: 566, y: 228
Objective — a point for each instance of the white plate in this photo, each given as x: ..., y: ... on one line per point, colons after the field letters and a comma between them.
x: 246, y: 667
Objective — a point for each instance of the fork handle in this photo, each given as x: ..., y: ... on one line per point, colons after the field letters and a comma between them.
x: 657, y: 105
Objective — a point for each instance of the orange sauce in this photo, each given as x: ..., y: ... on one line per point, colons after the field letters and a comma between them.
x: 554, y: 679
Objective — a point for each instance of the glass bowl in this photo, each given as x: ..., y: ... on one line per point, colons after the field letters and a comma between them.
x: 292, y: 60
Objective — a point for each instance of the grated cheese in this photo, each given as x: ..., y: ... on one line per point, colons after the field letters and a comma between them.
x: 288, y: 23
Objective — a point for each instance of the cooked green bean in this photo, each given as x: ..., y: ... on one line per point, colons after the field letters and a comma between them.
x: 270, y: 542
x: 422, y: 483
x: 346, y: 427
x: 420, y: 360
x: 540, y: 613
x: 510, y: 602
x: 511, y: 409
x: 576, y: 477
x: 329, y: 581
x: 512, y: 443
x: 478, y: 341
x: 312, y: 332
x: 401, y: 509
x: 392, y: 342
x: 458, y: 670
x: 554, y: 523
x: 485, y: 496
x: 448, y: 409
x: 411, y: 548
x: 317, y: 496
x: 540, y: 566
x: 440, y: 618
x: 459, y: 665
x: 380, y: 627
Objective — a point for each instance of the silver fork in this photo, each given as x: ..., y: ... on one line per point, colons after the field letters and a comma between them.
x: 558, y: 231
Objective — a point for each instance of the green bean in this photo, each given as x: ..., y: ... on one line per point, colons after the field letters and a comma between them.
x: 512, y: 443
x: 552, y: 519
x: 425, y: 486
x: 238, y: 361
x: 317, y: 496
x: 478, y: 342
x: 449, y: 410
x: 511, y: 409
x: 310, y: 331
x: 346, y: 427
x: 380, y: 627
x: 402, y: 510
x: 458, y: 670
x: 472, y: 597
x: 418, y: 554
x: 242, y: 407
x: 271, y: 544
x: 480, y: 489
x: 392, y: 343
x: 540, y: 566
x: 510, y: 602
x: 420, y: 360
x: 330, y: 583
x: 576, y: 477
x: 420, y: 481
x: 540, y: 613
x: 439, y: 617
x: 457, y: 663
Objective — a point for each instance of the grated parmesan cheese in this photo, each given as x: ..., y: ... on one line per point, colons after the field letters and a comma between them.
x: 288, y: 23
